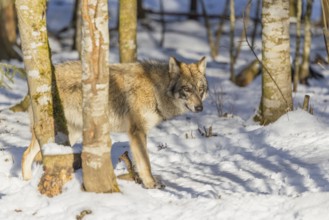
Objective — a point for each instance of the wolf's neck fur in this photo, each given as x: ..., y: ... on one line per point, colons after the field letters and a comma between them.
x: 158, y: 72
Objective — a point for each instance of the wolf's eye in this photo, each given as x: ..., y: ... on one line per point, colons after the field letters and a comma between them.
x: 186, y: 89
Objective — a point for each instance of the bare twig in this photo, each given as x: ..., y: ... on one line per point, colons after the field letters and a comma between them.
x: 188, y: 135
x: 83, y: 213
x: 217, y: 97
x: 132, y: 174
x: 162, y: 146
x: 207, y: 132
x: 8, y: 73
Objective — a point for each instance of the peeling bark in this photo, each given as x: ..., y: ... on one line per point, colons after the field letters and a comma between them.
x: 98, y: 173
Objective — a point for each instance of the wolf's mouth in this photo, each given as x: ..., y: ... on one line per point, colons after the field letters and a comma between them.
x: 188, y: 108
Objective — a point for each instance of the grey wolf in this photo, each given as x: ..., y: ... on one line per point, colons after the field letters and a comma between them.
x: 141, y: 95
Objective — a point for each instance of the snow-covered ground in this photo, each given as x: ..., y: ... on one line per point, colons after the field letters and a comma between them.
x: 243, y: 171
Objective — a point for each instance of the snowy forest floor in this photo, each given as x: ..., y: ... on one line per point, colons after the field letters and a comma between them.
x: 243, y: 171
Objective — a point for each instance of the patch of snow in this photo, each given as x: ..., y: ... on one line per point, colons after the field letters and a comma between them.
x: 242, y: 171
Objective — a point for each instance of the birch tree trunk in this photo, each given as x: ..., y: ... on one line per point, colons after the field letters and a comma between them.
x: 232, y: 45
x: 297, y: 51
x: 305, y: 65
x: 98, y: 173
x: 220, y: 27
x: 256, y: 22
x: 276, y: 81
x: 32, y: 27
x: 78, y: 25
x: 140, y: 10
x: 324, y: 21
x: 44, y: 97
x: 292, y: 8
x: 7, y: 30
x: 193, y: 10
x: 324, y: 24
x: 211, y: 42
x: 127, y: 31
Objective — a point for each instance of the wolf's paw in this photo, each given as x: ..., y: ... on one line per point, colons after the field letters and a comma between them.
x: 153, y: 185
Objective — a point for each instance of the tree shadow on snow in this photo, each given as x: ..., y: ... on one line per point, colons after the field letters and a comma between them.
x: 297, y: 173
x: 16, y: 155
x: 258, y: 168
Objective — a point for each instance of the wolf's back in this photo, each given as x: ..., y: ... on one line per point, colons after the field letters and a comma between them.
x: 132, y: 86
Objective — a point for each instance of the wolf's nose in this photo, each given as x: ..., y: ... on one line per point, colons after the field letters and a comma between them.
x: 199, y: 108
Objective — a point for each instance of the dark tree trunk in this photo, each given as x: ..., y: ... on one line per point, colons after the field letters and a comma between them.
x: 193, y: 9
x: 8, y: 31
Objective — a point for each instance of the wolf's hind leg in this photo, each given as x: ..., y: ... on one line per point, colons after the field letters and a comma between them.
x: 28, y: 157
x: 138, y: 148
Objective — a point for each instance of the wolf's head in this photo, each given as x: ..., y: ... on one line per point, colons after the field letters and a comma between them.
x: 188, y: 83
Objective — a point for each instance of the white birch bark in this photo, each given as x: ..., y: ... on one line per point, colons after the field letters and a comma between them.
x: 305, y: 65
x: 232, y: 44
x: 276, y: 82
x: 98, y: 173
x: 36, y: 54
x: 297, y: 51
x: 44, y: 97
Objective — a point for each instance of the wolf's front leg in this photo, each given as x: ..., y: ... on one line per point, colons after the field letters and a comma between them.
x: 138, y: 148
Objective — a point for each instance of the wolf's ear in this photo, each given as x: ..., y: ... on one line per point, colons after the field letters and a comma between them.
x: 202, y: 65
x: 173, y: 67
